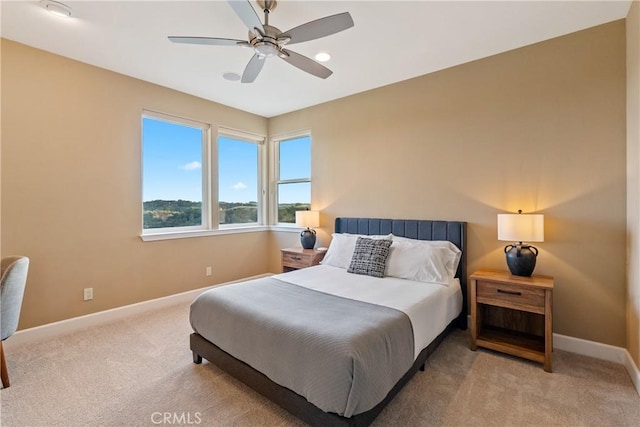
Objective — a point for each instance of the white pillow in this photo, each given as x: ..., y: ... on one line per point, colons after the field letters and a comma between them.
x: 341, y: 249
x: 441, y: 243
x: 456, y: 253
x: 431, y: 261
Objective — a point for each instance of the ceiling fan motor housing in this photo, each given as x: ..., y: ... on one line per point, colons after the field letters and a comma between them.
x: 267, y: 43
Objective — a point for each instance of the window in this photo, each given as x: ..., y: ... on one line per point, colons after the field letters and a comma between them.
x: 293, y: 181
x: 185, y: 173
x: 173, y: 184
x: 238, y: 181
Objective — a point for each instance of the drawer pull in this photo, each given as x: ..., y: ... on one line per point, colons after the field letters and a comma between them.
x: 500, y: 291
x: 296, y: 258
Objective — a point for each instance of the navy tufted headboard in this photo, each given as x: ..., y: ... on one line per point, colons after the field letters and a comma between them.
x: 453, y: 231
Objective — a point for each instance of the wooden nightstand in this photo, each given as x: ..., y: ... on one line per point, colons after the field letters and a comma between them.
x: 512, y: 314
x: 296, y: 258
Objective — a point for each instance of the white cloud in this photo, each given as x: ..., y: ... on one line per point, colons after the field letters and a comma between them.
x: 191, y: 166
x: 239, y: 186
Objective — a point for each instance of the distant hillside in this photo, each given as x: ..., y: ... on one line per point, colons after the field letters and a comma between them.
x: 287, y: 211
x: 171, y: 213
x: 184, y: 213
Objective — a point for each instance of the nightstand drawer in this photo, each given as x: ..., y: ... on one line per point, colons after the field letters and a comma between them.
x: 506, y: 295
x: 294, y: 260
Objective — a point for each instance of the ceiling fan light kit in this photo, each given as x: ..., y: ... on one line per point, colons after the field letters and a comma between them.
x: 268, y: 41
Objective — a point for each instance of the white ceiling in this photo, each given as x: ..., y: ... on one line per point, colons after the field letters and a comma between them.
x: 390, y: 42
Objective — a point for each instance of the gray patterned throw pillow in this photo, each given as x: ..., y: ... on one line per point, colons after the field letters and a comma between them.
x: 370, y: 256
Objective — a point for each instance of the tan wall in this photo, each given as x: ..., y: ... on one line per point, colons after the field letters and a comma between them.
x: 633, y: 181
x: 71, y: 189
x: 0, y: 151
x: 540, y: 128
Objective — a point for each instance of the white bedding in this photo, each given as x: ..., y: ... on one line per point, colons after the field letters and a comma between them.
x: 430, y: 307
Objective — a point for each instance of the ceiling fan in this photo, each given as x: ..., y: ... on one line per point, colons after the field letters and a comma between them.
x: 267, y: 40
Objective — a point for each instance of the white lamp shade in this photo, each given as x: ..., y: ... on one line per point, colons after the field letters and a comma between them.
x: 521, y: 227
x: 310, y: 219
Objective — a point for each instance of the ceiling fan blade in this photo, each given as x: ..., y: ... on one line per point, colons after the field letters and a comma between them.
x: 319, y: 28
x: 253, y: 68
x: 306, y: 64
x: 246, y: 13
x: 207, y: 40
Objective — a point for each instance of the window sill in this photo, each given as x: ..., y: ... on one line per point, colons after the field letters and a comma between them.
x: 286, y: 228
x: 202, y: 233
x: 220, y: 231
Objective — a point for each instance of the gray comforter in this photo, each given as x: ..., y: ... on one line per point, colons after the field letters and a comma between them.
x: 342, y: 355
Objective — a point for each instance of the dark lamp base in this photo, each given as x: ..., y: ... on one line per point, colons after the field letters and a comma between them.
x: 521, y: 259
x: 308, y: 238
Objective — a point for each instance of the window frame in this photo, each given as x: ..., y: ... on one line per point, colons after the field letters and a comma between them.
x: 276, y: 181
x: 261, y: 196
x: 209, y: 170
x: 205, y: 171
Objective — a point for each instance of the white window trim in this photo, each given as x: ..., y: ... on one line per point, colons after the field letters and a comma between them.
x: 210, y: 226
x: 206, y: 233
x: 262, y: 166
x: 203, y: 233
x: 274, y: 169
x: 206, y: 171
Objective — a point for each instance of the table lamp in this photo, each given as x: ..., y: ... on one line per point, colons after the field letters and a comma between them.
x: 521, y: 257
x: 308, y: 219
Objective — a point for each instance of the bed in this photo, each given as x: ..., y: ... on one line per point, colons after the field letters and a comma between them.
x: 332, y: 347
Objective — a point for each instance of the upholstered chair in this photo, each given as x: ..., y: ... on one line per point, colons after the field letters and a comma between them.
x: 13, y: 280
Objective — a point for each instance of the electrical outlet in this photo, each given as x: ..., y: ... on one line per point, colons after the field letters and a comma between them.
x: 209, y: 271
x: 88, y: 294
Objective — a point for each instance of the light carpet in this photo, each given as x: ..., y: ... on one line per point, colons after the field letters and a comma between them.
x: 139, y: 372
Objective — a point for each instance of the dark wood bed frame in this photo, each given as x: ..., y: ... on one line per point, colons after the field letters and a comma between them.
x: 453, y: 231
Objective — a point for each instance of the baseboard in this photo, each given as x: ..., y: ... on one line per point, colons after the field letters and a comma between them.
x: 67, y: 326
x: 600, y: 351
x: 589, y: 348
x: 633, y: 371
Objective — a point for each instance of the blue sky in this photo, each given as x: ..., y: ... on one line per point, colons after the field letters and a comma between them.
x: 172, y: 165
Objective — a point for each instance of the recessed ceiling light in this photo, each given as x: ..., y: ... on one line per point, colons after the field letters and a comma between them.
x: 232, y: 77
x: 56, y: 8
x: 322, y: 57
